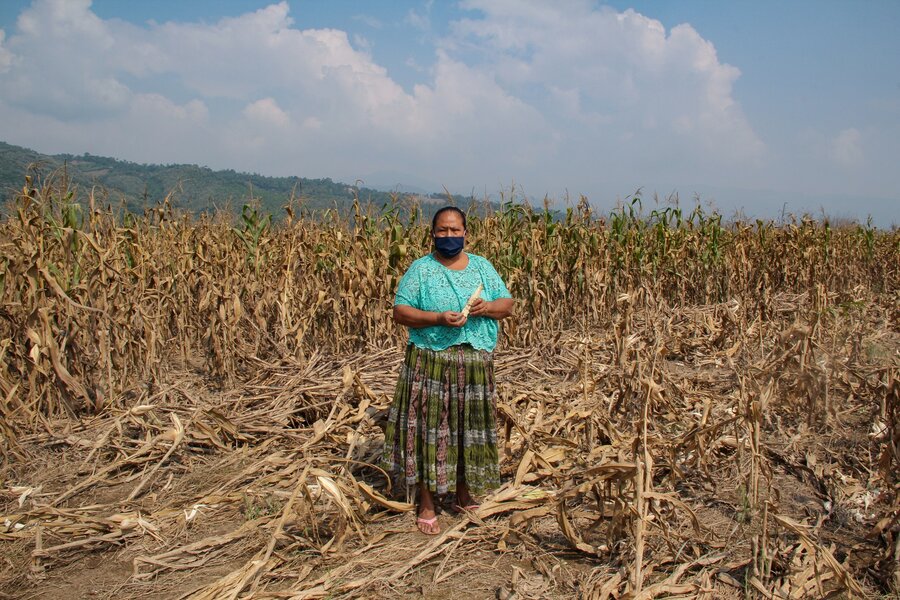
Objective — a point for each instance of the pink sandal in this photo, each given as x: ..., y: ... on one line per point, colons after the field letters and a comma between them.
x: 429, y: 523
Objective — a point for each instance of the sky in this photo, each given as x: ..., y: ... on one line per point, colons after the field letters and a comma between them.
x: 761, y: 107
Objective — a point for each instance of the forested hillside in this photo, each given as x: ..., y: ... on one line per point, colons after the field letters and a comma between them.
x: 190, y: 187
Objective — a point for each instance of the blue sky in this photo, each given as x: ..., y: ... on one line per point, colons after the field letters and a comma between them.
x: 748, y: 105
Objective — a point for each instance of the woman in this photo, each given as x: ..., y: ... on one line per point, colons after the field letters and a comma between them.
x: 441, y: 432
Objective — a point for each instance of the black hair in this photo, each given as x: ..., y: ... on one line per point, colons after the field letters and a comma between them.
x: 445, y: 209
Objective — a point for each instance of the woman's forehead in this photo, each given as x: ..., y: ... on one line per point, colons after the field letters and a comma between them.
x: 449, y: 218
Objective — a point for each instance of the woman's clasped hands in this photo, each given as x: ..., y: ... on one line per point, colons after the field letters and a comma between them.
x: 452, y: 318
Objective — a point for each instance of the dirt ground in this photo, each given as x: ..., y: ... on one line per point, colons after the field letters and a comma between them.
x: 705, y: 454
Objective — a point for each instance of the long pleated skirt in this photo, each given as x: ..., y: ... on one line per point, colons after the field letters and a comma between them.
x: 442, y: 426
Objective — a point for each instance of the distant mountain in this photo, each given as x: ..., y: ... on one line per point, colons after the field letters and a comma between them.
x: 191, y: 187
x: 395, y: 181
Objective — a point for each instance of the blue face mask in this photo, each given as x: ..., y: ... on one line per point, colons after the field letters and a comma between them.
x: 448, y: 247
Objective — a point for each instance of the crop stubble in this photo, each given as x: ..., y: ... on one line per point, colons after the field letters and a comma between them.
x: 687, y: 408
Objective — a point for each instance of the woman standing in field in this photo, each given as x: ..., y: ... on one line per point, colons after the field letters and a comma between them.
x: 442, y: 427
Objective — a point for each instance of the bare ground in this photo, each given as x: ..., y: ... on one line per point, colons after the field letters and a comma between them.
x: 699, y: 452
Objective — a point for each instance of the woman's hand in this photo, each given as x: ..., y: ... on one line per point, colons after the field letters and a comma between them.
x: 417, y: 319
x: 451, y: 318
x: 493, y: 309
x: 479, y: 308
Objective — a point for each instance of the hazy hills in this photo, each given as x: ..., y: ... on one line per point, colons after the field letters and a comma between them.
x: 191, y: 187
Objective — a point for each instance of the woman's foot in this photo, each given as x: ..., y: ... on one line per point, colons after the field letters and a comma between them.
x: 428, y: 526
x: 464, y: 499
x: 426, y: 519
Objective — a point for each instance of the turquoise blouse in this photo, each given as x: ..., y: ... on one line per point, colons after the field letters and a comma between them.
x: 429, y: 285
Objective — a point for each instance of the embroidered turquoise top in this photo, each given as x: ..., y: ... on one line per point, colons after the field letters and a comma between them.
x: 429, y: 285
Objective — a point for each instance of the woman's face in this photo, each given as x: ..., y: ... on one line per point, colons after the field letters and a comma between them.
x: 449, y: 224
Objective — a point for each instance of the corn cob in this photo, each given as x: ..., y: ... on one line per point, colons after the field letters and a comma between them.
x: 468, y: 306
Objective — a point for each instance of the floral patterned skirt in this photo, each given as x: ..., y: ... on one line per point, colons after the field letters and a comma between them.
x: 442, y: 426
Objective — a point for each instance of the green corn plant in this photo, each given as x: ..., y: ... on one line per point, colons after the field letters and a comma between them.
x: 129, y: 240
x: 66, y: 227
x: 867, y: 234
x: 253, y: 229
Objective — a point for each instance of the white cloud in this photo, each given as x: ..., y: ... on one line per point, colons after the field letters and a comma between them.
x: 369, y: 20
x: 6, y: 57
x: 548, y: 95
x: 152, y: 129
x: 312, y: 123
x: 420, y: 20
x: 618, y: 71
x: 845, y: 149
x: 362, y: 42
x: 157, y: 105
x: 268, y: 112
x: 491, y: 133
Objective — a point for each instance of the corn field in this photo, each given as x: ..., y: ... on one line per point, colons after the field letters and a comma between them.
x: 690, y: 407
